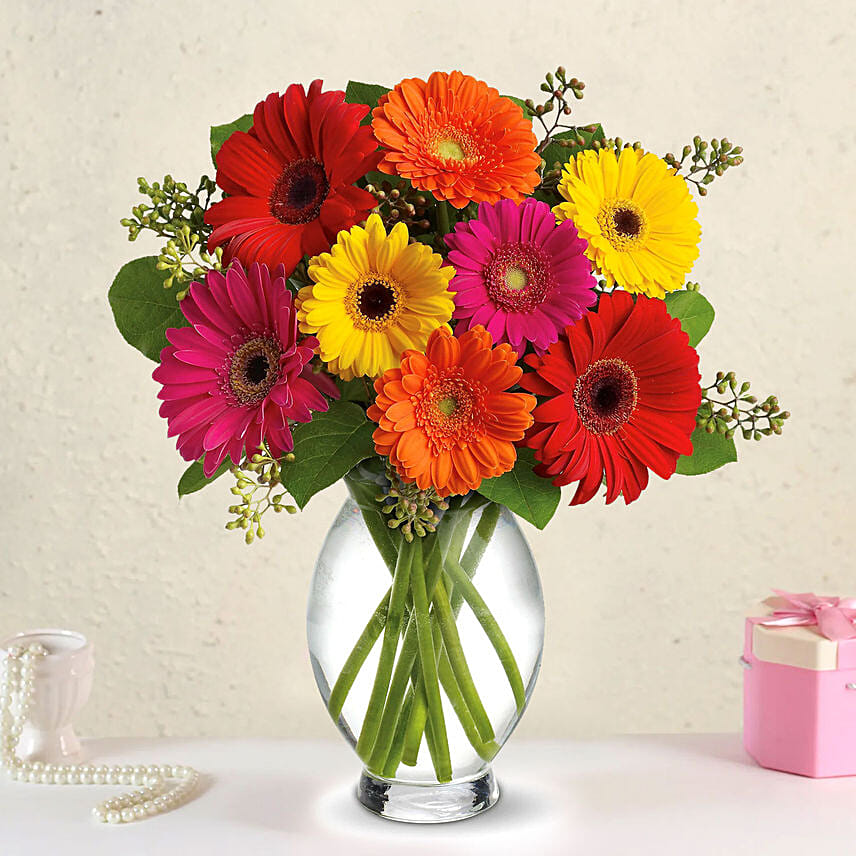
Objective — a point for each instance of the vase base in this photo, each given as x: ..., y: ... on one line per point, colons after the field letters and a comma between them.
x: 411, y: 802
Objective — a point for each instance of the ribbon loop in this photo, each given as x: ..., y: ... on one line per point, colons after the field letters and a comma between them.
x: 834, y: 617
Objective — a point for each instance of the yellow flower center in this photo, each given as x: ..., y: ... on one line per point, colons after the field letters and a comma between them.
x: 374, y: 302
x: 450, y: 150
x: 516, y: 278
x: 454, y: 144
x: 623, y: 223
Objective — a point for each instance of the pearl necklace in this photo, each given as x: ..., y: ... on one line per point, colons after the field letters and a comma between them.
x: 156, y: 796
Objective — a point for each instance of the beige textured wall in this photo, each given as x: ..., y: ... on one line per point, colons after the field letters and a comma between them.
x: 198, y: 634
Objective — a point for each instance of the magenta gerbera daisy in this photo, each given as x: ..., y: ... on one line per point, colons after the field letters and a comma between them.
x: 238, y: 374
x: 519, y: 274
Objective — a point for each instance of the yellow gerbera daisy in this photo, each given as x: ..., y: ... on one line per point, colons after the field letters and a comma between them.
x: 637, y: 216
x: 374, y: 296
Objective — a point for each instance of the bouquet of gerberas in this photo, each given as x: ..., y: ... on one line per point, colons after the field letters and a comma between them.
x: 409, y: 290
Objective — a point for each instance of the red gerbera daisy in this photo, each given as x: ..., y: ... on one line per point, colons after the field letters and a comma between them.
x: 290, y: 179
x: 622, y: 389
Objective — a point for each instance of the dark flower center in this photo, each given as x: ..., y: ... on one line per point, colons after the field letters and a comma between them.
x: 254, y: 369
x: 627, y: 222
x: 376, y: 300
x: 299, y: 192
x: 257, y: 369
x: 605, y: 395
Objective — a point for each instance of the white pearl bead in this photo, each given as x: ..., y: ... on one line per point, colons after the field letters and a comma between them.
x: 60, y: 778
x: 127, y: 815
x: 97, y: 778
x: 113, y: 777
x: 114, y: 817
x: 99, y: 814
x: 45, y: 778
x: 139, y: 812
x: 74, y: 776
x: 151, y: 808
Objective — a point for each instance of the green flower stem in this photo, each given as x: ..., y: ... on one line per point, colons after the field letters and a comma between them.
x: 384, y: 538
x: 357, y: 657
x: 485, y: 748
x: 442, y: 762
x: 397, y: 746
x: 415, y: 725
x: 475, y: 550
x: 497, y: 638
x: 444, y: 223
x: 404, y: 667
x: 453, y: 531
x: 406, y: 556
x: 454, y: 652
x: 481, y: 538
x: 395, y: 700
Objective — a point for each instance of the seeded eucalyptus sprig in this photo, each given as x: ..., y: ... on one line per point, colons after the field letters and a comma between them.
x: 178, y: 214
x: 708, y: 160
x: 727, y: 406
x: 560, y: 93
x: 412, y: 510
x: 399, y: 202
x: 258, y: 481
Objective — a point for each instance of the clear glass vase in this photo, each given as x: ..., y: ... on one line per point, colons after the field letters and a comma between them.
x: 425, y: 651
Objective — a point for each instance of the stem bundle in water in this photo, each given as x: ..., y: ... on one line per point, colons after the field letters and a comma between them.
x: 421, y: 649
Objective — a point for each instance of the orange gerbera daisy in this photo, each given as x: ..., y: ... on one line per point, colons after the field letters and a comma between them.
x: 457, y: 138
x: 445, y: 419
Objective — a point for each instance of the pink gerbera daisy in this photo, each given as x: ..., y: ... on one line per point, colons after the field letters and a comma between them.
x: 238, y: 374
x: 519, y: 274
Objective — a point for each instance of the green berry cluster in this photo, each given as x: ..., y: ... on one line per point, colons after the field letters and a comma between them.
x: 258, y: 484
x: 178, y: 214
x: 412, y: 510
x: 727, y: 407
x: 708, y: 160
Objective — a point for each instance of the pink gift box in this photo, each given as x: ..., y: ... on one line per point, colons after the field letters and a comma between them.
x: 799, y: 689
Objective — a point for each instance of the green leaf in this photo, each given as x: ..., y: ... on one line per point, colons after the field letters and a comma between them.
x: 522, y: 491
x: 221, y: 133
x: 693, y: 311
x: 359, y: 389
x: 193, y: 478
x: 554, y: 153
x: 327, y: 448
x: 710, y: 452
x: 142, y: 308
x: 364, y: 93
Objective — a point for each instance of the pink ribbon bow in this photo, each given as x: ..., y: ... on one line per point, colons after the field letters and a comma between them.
x: 835, y: 617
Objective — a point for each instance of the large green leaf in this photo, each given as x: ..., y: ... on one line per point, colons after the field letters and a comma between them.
x: 693, y: 311
x: 364, y: 93
x: 142, y: 308
x: 554, y: 153
x: 327, y: 448
x: 193, y: 478
x: 221, y: 133
x: 710, y: 451
x: 522, y: 491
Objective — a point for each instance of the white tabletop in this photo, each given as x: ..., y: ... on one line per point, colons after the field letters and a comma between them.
x: 691, y: 795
